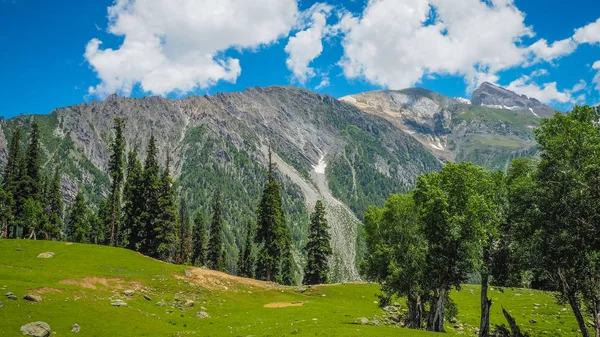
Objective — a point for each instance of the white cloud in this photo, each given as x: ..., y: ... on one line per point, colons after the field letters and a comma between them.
x: 596, y: 80
x: 547, y: 92
x: 307, y: 44
x: 324, y: 83
x: 544, y: 52
x: 588, y: 34
x: 178, y: 46
x: 395, y: 43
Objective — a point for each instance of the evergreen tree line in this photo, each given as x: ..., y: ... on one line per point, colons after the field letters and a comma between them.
x: 143, y: 213
x: 31, y: 204
x: 535, y: 225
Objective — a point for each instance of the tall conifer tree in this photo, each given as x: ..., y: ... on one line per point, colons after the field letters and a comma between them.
x: 12, y: 182
x: 200, y: 241
x: 79, y: 226
x: 272, y: 231
x: 246, y: 263
x: 318, y: 247
x: 132, y: 227
x: 33, y: 177
x: 151, y: 185
x: 54, y: 205
x: 7, y: 205
x: 184, y: 234
x: 115, y: 169
x: 166, y: 223
x: 216, y: 254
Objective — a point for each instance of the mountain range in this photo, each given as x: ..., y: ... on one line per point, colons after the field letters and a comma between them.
x: 351, y: 153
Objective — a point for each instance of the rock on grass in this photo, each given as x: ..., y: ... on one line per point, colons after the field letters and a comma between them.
x: 32, y: 298
x: 36, y: 329
x: 45, y: 255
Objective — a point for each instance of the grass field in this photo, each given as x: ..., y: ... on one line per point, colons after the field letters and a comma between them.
x: 79, y: 282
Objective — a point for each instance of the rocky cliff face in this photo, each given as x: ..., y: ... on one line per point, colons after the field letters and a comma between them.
x: 325, y: 149
x: 491, y: 129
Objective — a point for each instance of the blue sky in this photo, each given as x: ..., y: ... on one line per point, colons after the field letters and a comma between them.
x: 64, y: 52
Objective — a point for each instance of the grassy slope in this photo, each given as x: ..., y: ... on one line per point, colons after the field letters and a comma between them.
x: 237, y: 311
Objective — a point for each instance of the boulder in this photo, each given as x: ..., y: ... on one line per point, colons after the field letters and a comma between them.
x: 202, y: 314
x: 75, y: 328
x: 161, y: 304
x: 390, y: 308
x: 129, y: 292
x: 189, y: 303
x: 45, y: 255
x: 532, y: 321
x: 36, y: 329
x: 147, y: 298
x: 118, y: 303
x: 11, y: 296
x: 32, y: 298
x: 363, y: 320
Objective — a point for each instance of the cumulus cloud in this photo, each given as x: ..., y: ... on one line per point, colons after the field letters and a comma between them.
x: 544, y: 52
x: 395, y: 43
x: 588, y: 34
x: 306, y: 45
x: 547, y: 92
x: 178, y: 45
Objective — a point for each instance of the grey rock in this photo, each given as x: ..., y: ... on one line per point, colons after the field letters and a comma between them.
x: 488, y: 94
x: 1, y: 304
x: 390, y: 308
x: 532, y: 321
x: 46, y: 255
x: 202, y: 314
x: 9, y: 293
x: 32, y: 298
x: 301, y: 289
x: 36, y: 329
x: 189, y: 303
x: 147, y: 298
x: 129, y: 293
x: 75, y: 328
x: 118, y: 303
x: 161, y: 303
x: 11, y: 297
x: 363, y: 321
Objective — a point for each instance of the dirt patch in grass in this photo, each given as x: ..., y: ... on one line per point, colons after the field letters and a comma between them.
x: 283, y: 304
x: 110, y: 283
x: 215, y: 280
x: 45, y: 290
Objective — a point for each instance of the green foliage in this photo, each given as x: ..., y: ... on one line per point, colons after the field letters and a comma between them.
x: 132, y: 227
x: 115, y: 170
x: 54, y: 206
x: 7, y: 205
x: 318, y: 247
x: 215, y: 253
x: 246, y: 260
x: 34, y: 219
x: 151, y: 187
x: 272, y: 231
x: 33, y: 177
x: 184, y: 235
x: 199, y: 240
x: 165, y: 230
x: 79, y: 227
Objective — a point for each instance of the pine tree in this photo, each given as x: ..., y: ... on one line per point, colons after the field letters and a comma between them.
x: 79, y: 226
x: 184, y: 233
x: 12, y: 168
x: 318, y: 247
x: 246, y: 258
x: 7, y: 205
x: 132, y: 228
x: 199, y: 241
x: 115, y: 169
x: 54, y: 205
x: 34, y: 218
x: 97, y: 224
x: 288, y: 269
x: 165, y: 230
x: 215, y: 256
x: 272, y: 231
x: 33, y: 177
x: 151, y: 188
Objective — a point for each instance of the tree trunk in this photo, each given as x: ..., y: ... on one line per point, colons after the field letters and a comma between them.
x: 597, y: 316
x: 514, y: 328
x: 415, y: 312
x: 574, y: 305
x: 486, y: 303
x: 435, y: 322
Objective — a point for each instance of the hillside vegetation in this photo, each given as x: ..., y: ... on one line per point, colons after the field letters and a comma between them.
x: 78, y: 284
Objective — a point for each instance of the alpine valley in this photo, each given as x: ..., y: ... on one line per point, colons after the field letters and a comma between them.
x: 351, y: 152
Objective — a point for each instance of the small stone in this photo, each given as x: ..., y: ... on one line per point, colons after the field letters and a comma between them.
x: 32, y: 298
x: 118, y: 303
x: 11, y: 297
x: 129, y: 293
x: 202, y: 314
x: 147, y: 298
x: 300, y: 289
x: 396, y: 304
x: 75, y: 328
x: 536, y: 304
x: 18, y: 249
x: 9, y: 294
x: 453, y: 320
x: 363, y: 321
x: 189, y: 303
x: 45, y: 255
x: 1, y: 304
x: 532, y: 321
x: 161, y: 303
x: 36, y: 329
x: 564, y: 309
x: 390, y: 308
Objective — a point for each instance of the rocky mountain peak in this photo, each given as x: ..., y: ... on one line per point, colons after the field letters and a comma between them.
x: 494, y: 96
